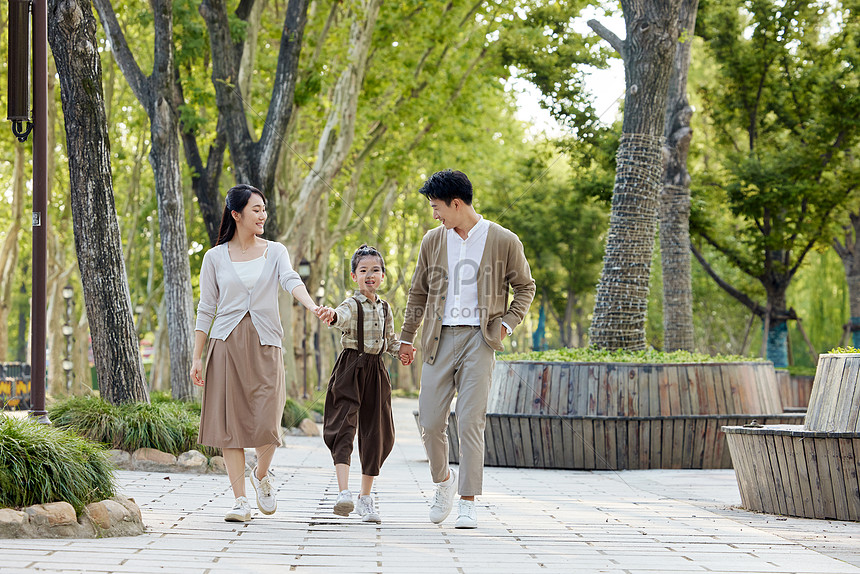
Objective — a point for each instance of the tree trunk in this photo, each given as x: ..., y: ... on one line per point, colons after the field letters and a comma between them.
x: 849, y: 252
x: 156, y: 94
x: 675, y: 197
x: 9, y: 255
x: 621, y: 304
x: 777, y: 332
x: 336, y: 139
x: 72, y: 35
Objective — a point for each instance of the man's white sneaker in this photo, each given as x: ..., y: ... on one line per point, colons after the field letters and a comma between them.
x: 241, y: 511
x: 344, y: 504
x: 466, y: 515
x: 367, y: 511
x: 266, y: 500
x: 443, y: 500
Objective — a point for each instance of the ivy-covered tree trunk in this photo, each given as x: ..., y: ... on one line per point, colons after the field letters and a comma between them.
x: 156, y: 94
x: 72, y: 36
x: 675, y: 197
x: 648, y: 52
x: 849, y: 252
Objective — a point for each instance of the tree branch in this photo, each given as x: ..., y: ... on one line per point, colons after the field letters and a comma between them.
x: 608, y: 35
x: 743, y: 298
x: 123, y: 55
x: 733, y: 257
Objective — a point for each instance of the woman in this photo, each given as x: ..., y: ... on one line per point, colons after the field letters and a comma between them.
x: 244, y: 393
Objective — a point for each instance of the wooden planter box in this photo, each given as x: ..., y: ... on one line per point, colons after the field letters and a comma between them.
x: 808, y: 470
x: 607, y: 443
x: 634, y: 390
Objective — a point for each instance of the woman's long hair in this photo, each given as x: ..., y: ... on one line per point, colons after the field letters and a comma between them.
x: 236, y: 200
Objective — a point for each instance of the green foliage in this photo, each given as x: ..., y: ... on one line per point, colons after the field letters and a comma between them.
x: 295, y: 411
x: 541, y: 42
x: 783, y: 107
x: 585, y: 355
x: 41, y: 463
x: 166, y: 425
x: 844, y: 351
x: 801, y: 371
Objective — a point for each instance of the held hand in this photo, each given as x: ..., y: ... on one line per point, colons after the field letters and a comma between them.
x: 196, y: 372
x: 325, y: 314
x: 504, y: 333
x: 407, y: 354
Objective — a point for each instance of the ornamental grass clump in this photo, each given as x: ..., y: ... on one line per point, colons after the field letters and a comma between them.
x: 40, y: 464
x: 165, y: 424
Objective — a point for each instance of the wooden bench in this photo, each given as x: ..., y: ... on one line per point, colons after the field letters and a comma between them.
x: 607, y: 443
x: 808, y: 470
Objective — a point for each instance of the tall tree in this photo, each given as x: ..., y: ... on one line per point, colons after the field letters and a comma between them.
x: 254, y: 162
x: 72, y: 36
x: 784, y: 100
x: 675, y: 196
x: 156, y: 94
x: 621, y: 305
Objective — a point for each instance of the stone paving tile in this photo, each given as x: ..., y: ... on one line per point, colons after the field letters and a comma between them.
x: 529, y: 521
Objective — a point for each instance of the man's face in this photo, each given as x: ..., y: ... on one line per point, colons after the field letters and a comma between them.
x: 449, y: 215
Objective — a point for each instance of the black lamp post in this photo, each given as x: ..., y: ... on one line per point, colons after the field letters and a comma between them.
x: 68, y: 331
x: 22, y: 123
x: 304, y: 270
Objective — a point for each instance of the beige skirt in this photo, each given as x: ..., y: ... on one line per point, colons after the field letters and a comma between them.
x: 244, y: 391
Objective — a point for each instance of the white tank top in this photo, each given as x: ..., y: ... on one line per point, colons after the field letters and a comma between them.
x: 249, y: 271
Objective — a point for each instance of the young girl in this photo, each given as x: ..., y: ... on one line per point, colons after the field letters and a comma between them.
x: 359, y: 390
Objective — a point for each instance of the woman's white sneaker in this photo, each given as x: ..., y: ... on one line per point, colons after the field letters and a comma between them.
x: 266, y: 500
x: 241, y: 511
x: 466, y: 515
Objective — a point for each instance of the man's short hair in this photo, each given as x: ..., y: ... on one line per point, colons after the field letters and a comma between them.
x: 447, y: 185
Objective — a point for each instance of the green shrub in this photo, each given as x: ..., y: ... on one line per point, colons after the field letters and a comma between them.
x: 40, y: 464
x: 165, y: 424
x: 294, y: 413
x: 585, y: 355
x: 844, y: 350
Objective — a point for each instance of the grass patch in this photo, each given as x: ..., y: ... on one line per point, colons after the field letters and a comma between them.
x: 167, y: 425
x: 40, y: 464
x: 585, y: 355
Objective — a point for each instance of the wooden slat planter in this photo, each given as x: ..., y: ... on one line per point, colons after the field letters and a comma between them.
x: 632, y: 390
x: 607, y: 443
x: 794, y: 390
x: 785, y: 469
x: 810, y: 470
x: 835, y: 401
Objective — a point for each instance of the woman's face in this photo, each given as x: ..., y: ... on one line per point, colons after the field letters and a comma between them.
x: 253, y: 217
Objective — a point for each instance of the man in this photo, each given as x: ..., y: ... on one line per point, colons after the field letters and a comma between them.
x: 460, y: 291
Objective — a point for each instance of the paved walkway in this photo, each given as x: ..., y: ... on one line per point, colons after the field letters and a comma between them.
x: 529, y: 521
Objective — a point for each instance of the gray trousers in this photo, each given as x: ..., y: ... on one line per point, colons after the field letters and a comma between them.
x: 464, y: 363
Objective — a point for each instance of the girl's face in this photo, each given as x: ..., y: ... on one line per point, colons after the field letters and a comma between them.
x: 253, y: 217
x: 368, y: 274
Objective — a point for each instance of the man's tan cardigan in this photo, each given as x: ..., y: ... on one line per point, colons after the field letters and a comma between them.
x: 503, y: 265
